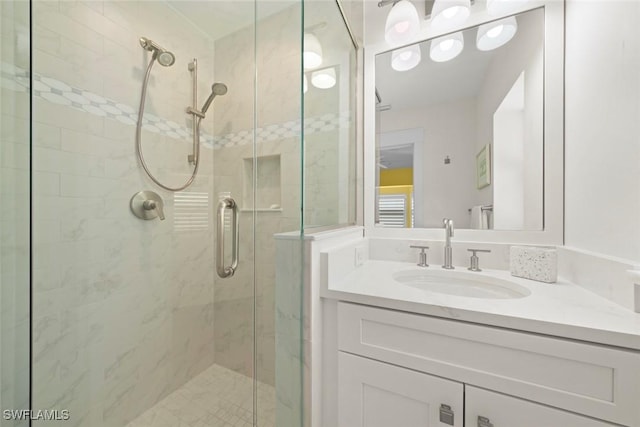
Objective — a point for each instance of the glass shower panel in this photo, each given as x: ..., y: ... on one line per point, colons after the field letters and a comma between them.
x: 132, y: 327
x: 329, y: 118
x: 276, y: 174
x: 132, y: 324
x: 234, y: 118
x: 14, y: 213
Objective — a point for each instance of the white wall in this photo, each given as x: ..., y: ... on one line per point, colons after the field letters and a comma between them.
x: 508, y: 160
x: 448, y: 189
x: 602, y: 143
x: 523, y: 53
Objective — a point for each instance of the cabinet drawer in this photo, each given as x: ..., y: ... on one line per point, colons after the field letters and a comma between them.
x: 504, y: 411
x: 375, y: 394
x: 590, y: 379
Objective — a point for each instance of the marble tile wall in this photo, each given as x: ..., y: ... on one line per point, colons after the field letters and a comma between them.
x: 14, y: 210
x: 123, y: 308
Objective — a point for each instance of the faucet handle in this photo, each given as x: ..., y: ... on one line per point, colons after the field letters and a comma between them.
x: 423, y: 255
x: 475, y: 261
x: 448, y: 225
x: 160, y: 210
x: 150, y: 205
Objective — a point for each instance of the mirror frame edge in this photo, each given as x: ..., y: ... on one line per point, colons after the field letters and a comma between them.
x: 553, y: 210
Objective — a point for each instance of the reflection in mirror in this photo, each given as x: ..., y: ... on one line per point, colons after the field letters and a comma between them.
x: 329, y: 86
x: 459, y: 128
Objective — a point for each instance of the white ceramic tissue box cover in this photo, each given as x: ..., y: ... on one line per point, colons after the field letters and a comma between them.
x: 534, y: 263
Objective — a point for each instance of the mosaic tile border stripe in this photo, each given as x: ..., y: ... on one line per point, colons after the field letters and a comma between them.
x: 55, y: 91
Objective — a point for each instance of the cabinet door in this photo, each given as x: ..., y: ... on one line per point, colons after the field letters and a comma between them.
x: 375, y: 394
x: 505, y: 411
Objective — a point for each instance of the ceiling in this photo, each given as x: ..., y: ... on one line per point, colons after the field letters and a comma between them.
x: 219, y: 18
x: 432, y: 83
x: 396, y: 157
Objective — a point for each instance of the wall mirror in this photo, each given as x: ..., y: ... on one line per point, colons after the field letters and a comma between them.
x: 460, y: 128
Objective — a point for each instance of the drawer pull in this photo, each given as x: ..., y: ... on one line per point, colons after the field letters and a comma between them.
x: 446, y: 414
x: 484, y: 422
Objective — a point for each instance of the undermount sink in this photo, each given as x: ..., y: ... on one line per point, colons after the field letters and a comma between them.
x: 461, y: 283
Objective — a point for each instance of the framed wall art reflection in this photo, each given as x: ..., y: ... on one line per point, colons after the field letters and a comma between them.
x: 483, y: 167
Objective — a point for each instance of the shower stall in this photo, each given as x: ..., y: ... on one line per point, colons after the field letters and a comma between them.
x: 140, y: 205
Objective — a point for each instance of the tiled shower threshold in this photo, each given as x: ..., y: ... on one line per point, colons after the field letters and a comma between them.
x: 218, y: 397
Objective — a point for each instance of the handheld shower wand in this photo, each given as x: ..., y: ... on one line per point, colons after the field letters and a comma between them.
x: 167, y: 59
x: 218, y: 89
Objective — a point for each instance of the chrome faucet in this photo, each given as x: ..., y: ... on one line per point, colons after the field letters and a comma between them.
x: 448, y: 253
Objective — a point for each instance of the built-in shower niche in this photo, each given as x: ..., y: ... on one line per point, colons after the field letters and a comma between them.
x: 268, y: 185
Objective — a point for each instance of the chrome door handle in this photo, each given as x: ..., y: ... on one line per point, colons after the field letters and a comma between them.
x: 223, y: 271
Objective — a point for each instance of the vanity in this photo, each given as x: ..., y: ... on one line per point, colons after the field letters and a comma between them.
x: 424, y: 346
x: 403, y: 369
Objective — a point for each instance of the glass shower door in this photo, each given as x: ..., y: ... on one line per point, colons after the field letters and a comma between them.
x: 14, y: 213
x: 132, y: 323
x: 257, y: 161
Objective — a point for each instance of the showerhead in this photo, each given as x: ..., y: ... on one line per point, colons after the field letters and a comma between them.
x: 164, y: 57
x: 216, y: 89
x: 219, y: 88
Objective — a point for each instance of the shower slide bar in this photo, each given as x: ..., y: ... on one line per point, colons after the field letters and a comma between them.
x: 167, y: 59
x: 197, y: 115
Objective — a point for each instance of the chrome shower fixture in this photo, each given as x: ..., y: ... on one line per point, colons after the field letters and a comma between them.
x: 164, y: 57
x: 218, y: 89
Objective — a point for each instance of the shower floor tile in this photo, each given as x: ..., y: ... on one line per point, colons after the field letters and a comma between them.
x: 218, y: 397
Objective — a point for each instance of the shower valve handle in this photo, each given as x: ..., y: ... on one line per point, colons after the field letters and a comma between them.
x: 147, y: 205
x: 151, y: 205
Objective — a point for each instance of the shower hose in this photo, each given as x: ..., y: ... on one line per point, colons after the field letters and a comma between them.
x: 139, y: 138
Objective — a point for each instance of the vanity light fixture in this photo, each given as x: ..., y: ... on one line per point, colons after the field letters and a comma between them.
x: 324, y: 79
x: 447, y: 47
x: 312, y: 54
x: 406, y: 58
x: 501, y: 7
x: 403, y: 22
x: 449, y: 14
x: 495, y: 34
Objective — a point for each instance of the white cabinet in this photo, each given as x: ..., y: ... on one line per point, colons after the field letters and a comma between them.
x: 387, y: 360
x: 375, y: 394
x: 488, y: 409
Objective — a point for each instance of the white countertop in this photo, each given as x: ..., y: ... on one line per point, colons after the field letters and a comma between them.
x: 560, y: 309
